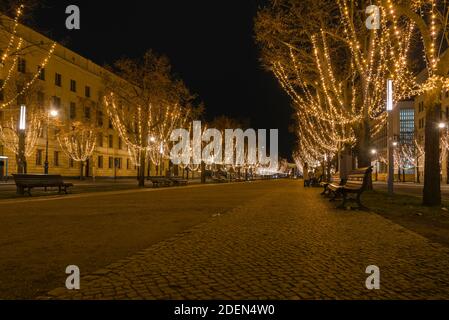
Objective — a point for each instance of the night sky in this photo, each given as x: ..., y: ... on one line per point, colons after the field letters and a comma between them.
x: 210, y: 45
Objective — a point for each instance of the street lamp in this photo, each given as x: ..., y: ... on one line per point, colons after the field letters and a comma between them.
x: 441, y: 126
x: 374, y: 153
x: 22, y: 128
x: 53, y: 114
x: 391, y: 144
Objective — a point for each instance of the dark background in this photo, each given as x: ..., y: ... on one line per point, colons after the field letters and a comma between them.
x: 210, y: 44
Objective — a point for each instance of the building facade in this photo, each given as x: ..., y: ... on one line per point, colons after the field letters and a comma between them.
x: 403, y: 127
x: 71, y: 85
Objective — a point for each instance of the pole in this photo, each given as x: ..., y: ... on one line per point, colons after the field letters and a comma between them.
x: 390, y: 136
x: 22, y: 127
x: 21, y: 168
x: 46, y: 145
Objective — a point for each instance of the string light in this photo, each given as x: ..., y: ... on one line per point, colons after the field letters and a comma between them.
x: 78, y: 141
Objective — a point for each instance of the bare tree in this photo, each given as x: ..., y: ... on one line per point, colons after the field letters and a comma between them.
x: 78, y: 141
x: 334, y: 69
x: 35, y: 114
x: 145, y: 103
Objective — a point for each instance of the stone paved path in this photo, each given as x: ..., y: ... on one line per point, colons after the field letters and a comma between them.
x: 288, y: 245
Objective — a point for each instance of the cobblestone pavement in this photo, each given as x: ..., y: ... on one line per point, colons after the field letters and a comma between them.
x: 291, y: 244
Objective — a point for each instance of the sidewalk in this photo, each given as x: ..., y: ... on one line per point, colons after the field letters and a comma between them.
x: 8, y: 189
x: 291, y: 244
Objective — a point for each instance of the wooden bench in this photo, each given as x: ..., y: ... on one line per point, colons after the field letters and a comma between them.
x: 356, y: 183
x: 26, y: 182
x: 160, y: 182
x: 178, y: 181
x: 335, y: 179
x: 219, y: 179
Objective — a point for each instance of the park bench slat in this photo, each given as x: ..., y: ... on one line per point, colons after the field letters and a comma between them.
x: 335, y: 180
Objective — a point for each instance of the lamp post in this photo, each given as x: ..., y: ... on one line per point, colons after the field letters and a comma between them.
x: 390, y: 136
x: 53, y: 114
x: 441, y: 126
x: 22, y: 127
x: 374, y: 153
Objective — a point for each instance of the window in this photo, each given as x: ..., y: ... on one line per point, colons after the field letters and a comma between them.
x: 73, y: 85
x: 111, y: 141
x: 110, y: 124
x: 111, y: 162
x: 71, y: 163
x: 56, y: 158
x: 56, y: 102
x: 99, y: 118
x: 87, y: 92
x: 87, y: 112
x: 40, y: 99
x: 100, y: 162
x: 39, y: 157
x: 421, y: 107
x: 120, y: 143
x: 72, y: 110
x: 58, y: 80
x: 406, y: 126
x: 21, y: 65
x: 118, y: 163
x: 100, y: 140
x: 128, y: 164
x: 41, y: 72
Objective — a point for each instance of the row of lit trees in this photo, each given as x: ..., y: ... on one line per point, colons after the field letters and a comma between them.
x: 335, y: 70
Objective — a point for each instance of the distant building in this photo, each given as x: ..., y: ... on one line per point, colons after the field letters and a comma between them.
x: 403, y: 125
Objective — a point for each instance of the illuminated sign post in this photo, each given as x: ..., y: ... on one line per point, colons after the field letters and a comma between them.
x: 390, y: 136
x: 22, y: 128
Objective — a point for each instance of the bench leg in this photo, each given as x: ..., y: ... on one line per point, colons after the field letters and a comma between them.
x: 324, y: 191
x: 344, y: 201
x: 29, y: 192
x: 335, y: 195
x: 21, y: 190
x: 359, y: 202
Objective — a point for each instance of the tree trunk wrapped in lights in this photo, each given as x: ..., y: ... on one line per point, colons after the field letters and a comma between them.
x: 78, y: 142
x: 145, y: 104
x: 9, y: 132
x: 35, y: 116
x: 430, y: 19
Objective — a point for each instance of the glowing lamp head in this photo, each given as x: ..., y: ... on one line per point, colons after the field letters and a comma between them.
x: 389, y: 95
x: 54, y: 113
x: 441, y: 125
x: 395, y: 144
x: 23, y: 116
x: 152, y: 139
x: 373, y: 151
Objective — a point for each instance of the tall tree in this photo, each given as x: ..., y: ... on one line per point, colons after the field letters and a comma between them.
x: 431, y: 20
x: 78, y: 141
x: 35, y: 116
x: 145, y: 102
x: 335, y: 70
